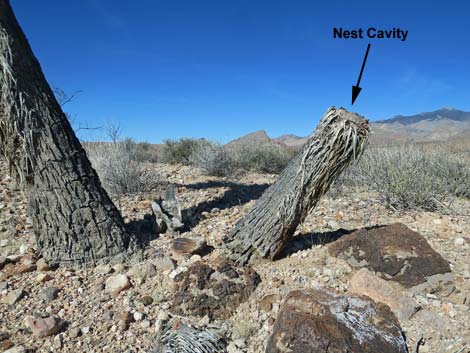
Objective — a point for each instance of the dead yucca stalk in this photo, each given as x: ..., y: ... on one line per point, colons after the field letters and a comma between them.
x: 339, y: 139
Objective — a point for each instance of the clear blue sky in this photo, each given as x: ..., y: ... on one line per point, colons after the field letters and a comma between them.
x: 220, y: 69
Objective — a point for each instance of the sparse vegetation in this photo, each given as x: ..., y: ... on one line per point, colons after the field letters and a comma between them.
x: 181, y: 151
x: 219, y: 160
x: 412, y: 176
x: 120, y: 166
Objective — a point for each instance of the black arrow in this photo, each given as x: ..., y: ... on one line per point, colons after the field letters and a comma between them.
x: 356, y: 89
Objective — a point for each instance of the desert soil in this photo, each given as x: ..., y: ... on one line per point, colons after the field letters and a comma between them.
x: 97, y: 321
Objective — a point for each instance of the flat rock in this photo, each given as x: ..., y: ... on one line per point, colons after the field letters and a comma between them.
x: 182, y: 246
x: 365, y: 282
x: 216, y: 292
x: 321, y: 321
x: 394, y: 251
x: 42, y: 327
x: 117, y: 283
x: 13, y: 297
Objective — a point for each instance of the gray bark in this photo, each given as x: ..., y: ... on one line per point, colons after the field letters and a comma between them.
x: 339, y: 138
x: 74, y: 220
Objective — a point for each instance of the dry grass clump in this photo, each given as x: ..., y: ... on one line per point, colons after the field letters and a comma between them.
x: 219, y: 160
x: 120, y: 167
x: 423, y: 177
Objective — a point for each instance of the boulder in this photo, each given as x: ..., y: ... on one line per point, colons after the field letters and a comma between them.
x: 216, y: 292
x: 364, y: 282
x: 394, y: 251
x: 320, y: 321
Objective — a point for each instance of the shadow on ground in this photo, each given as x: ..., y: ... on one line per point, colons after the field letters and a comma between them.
x: 238, y: 194
x: 306, y: 241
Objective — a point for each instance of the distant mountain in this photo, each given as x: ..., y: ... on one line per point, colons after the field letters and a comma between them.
x: 441, y: 114
x: 258, y: 136
x: 291, y: 140
x: 440, y: 125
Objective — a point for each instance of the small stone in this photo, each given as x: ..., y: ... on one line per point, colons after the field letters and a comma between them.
x: 13, y: 297
x: 85, y: 330
x: 23, y: 249
x: 145, y: 324
x: 74, y: 332
x: 42, y: 265
x: 126, y: 316
x: 215, y: 210
x: 165, y: 264
x: 44, y: 327
x: 108, y: 315
x: 146, y: 300
x: 50, y: 293
x: 150, y: 270
x: 43, y: 277
x: 58, y: 341
x: 119, y: 268
x: 182, y: 246
x: 266, y: 303
x: 116, y: 284
x: 4, y: 243
x: 103, y: 269
x: 459, y: 241
x: 138, y: 316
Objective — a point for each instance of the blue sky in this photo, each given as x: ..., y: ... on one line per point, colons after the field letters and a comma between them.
x: 220, y: 69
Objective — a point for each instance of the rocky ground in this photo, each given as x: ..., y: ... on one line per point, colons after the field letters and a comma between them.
x: 122, y: 307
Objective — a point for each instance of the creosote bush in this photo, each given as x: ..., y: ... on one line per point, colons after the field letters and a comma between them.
x: 120, y: 166
x: 411, y: 176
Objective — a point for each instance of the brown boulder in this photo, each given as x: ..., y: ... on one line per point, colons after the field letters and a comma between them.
x: 319, y: 321
x: 216, y: 292
x: 394, y: 251
x: 364, y: 282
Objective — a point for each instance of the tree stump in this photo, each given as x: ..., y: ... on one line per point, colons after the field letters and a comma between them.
x: 74, y: 220
x: 339, y: 139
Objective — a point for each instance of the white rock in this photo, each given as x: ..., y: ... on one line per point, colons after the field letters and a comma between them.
x: 117, y: 283
x: 459, y: 241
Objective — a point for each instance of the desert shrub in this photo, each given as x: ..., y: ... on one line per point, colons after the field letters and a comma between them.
x: 264, y: 157
x: 145, y: 152
x: 214, y: 159
x: 180, y: 151
x: 118, y: 167
x: 411, y: 177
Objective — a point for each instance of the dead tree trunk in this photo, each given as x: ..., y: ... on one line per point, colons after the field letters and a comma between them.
x: 339, y: 138
x: 74, y: 220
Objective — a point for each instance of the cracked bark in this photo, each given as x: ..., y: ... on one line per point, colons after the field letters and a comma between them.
x: 74, y: 220
x: 339, y: 138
